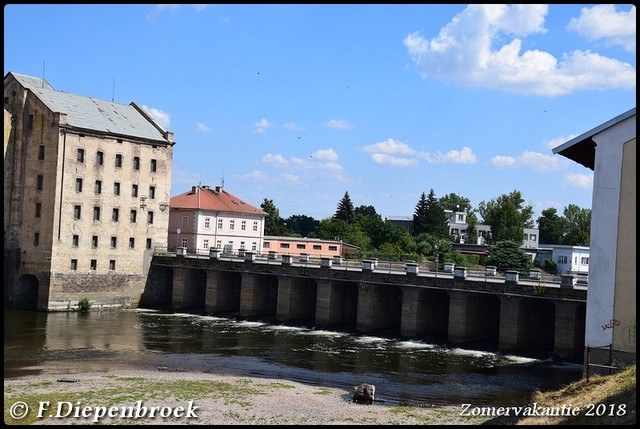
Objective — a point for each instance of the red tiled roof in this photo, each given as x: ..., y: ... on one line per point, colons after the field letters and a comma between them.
x: 217, y: 199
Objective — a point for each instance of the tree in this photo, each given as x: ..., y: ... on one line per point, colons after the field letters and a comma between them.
x: 345, y: 210
x: 430, y: 217
x: 273, y: 223
x: 551, y: 226
x: 577, y: 226
x: 302, y: 225
x: 508, y: 216
x: 508, y: 255
x: 331, y: 229
x: 455, y: 202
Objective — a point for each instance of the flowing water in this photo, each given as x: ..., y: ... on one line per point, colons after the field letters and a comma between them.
x: 403, y: 371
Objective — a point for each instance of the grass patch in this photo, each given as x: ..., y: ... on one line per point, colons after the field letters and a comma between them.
x: 322, y: 391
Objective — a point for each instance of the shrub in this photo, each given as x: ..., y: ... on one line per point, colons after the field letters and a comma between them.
x: 84, y: 305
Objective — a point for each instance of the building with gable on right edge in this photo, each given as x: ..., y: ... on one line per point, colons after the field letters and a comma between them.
x: 610, y: 151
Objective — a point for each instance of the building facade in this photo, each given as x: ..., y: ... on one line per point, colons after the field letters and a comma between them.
x: 87, y: 185
x: 205, y: 218
x: 568, y: 259
x: 609, y: 150
x: 312, y: 247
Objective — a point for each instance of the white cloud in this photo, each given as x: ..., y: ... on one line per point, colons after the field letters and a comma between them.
x: 292, y: 180
x: 261, y: 126
x: 325, y: 155
x: 203, y: 127
x: 577, y: 180
x: 162, y: 118
x: 386, y: 152
x: 292, y: 126
x: 464, y: 156
x: 276, y: 159
x: 338, y: 123
x: 253, y: 175
x: 604, y: 22
x: 474, y: 49
x: 385, y: 158
x: 531, y: 160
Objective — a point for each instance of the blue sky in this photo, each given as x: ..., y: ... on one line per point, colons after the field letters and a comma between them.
x: 302, y: 103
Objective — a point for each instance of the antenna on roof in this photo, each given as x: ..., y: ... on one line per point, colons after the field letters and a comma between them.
x: 222, y: 183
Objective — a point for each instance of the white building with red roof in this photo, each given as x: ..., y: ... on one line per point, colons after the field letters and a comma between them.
x: 205, y: 218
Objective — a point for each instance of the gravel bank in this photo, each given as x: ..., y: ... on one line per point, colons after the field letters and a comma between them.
x: 201, y: 399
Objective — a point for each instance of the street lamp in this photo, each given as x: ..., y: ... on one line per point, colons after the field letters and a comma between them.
x: 437, y: 258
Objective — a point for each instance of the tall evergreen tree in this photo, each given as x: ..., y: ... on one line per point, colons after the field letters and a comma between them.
x: 345, y: 210
x: 437, y: 220
x: 420, y: 220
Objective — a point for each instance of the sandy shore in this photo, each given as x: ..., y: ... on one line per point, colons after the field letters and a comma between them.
x: 198, y: 398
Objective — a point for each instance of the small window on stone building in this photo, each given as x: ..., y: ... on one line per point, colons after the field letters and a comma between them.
x: 152, y: 192
x: 112, y: 265
x: 74, y: 265
x: 118, y: 161
x: 132, y: 243
x: 114, y: 242
x: 94, y: 264
x: 36, y: 239
x: 115, y: 215
x: 116, y: 188
x: 78, y: 185
x: 80, y: 155
x: 94, y: 241
x: 38, y: 209
x: 40, y: 182
x: 136, y: 163
x: 99, y: 157
x: 150, y: 217
x: 75, y: 240
x: 41, y: 152
x: 132, y: 216
x: 76, y: 212
x: 154, y: 165
x: 96, y: 213
x: 148, y: 243
x: 98, y: 187
x: 134, y: 190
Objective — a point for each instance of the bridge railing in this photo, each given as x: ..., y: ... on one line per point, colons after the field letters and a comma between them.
x: 356, y: 263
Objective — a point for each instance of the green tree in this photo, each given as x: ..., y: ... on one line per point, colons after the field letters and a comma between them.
x: 302, y: 225
x: 420, y: 219
x: 430, y: 217
x: 273, y: 223
x: 330, y: 229
x: 345, y: 210
x: 472, y: 222
x: 455, y: 202
x: 577, y: 226
x: 551, y: 226
x: 507, y: 216
x: 509, y: 255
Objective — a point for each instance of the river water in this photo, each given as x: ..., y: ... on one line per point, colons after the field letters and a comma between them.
x: 403, y: 371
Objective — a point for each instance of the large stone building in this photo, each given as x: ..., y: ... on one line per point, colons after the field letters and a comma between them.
x: 86, y: 193
x: 609, y: 150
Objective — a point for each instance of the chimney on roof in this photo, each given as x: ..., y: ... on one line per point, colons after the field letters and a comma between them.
x: 194, y: 189
x: 218, y: 189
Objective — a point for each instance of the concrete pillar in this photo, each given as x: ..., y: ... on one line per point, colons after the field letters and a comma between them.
x: 254, y: 297
x: 221, y: 292
x: 509, y: 322
x: 328, y: 304
x: 411, y: 303
x: 569, y: 330
x: 366, y: 316
x: 457, y: 317
x: 182, y: 292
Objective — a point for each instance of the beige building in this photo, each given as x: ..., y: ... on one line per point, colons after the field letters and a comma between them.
x: 86, y: 195
x: 205, y: 218
x: 312, y: 247
x: 610, y: 151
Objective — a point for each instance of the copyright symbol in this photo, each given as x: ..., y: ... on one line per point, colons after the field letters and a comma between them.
x: 19, y: 410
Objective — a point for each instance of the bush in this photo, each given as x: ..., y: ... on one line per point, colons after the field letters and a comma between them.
x: 84, y: 305
x: 550, y: 266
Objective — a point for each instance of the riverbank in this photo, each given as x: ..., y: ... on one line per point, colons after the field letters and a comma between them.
x: 202, y: 399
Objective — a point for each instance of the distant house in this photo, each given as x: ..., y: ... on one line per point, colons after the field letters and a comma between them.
x: 205, y: 218
x: 313, y: 247
x: 610, y: 151
x: 568, y: 259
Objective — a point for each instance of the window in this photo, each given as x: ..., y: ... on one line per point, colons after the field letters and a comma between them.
x: 75, y: 240
x: 255, y: 225
x: 30, y: 123
x: 317, y: 247
x: 301, y: 246
x: 80, y: 155
x: 114, y: 242
x: 118, y: 161
x: 41, y: 152
x: 94, y: 264
x: 96, y: 213
x: 136, y: 163
x: 132, y: 216
x: 284, y: 245
x: 460, y: 218
x: 38, y: 209
x: 40, y: 182
x: 98, y: 187
x: 562, y: 259
x: 154, y: 165
x: 185, y: 242
x: 36, y: 239
x: 218, y: 244
x: 205, y: 243
x: 584, y: 261
x: 78, y: 185
x: 116, y: 188
x: 112, y: 264
x: 219, y: 223
x: 266, y: 245
x: 134, y: 190
x: 207, y: 222
x: 242, y: 245
x: 152, y: 192
x: 94, y: 241
x: 254, y: 246
x: 132, y: 242
x: 148, y: 243
x: 99, y: 158
x: 333, y: 248
x: 533, y: 237
x: 150, y: 217
x: 243, y: 225
x: 232, y: 224
x: 74, y: 264
x: 76, y: 212
x: 115, y: 215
